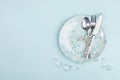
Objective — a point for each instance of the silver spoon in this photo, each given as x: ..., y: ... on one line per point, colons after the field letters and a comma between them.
x: 86, y: 24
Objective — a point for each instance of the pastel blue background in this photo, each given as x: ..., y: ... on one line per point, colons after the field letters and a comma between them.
x: 29, y: 34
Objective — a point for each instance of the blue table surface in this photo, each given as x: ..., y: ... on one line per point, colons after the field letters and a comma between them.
x: 29, y: 38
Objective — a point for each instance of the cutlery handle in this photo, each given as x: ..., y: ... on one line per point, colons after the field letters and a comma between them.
x: 89, y: 47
